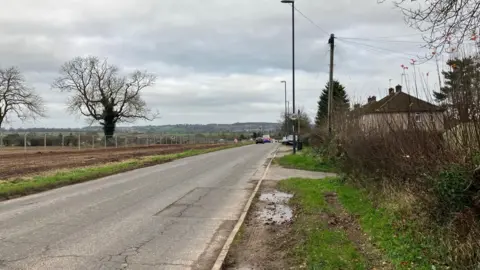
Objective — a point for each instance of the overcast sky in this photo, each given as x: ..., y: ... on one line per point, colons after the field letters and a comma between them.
x: 216, y: 60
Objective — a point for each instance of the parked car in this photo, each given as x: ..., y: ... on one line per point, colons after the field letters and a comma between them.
x: 259, y: 140
x: 289, y: 140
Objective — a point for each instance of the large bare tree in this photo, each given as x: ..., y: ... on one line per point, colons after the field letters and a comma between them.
x: 102, y: 94
x: 17, y: 98
x: 445, y: 23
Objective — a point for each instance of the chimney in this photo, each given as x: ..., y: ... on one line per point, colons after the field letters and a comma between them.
x: 391, y: 91
x: 374, y: 98
x: 398, y: 88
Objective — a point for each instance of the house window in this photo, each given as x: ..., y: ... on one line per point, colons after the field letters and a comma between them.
x: 417, y: 118
x: 431, y: 117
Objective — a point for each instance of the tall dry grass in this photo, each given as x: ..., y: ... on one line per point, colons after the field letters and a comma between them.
x: 430, y: 170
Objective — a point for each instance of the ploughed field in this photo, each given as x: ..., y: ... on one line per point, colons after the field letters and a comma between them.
x: 16, y: 163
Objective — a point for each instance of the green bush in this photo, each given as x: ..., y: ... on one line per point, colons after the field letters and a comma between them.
x: 452, y: 189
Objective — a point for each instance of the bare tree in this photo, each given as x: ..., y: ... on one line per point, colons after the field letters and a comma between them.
x: 445, y: 23
x: 101, y: 94
x: 16, y: 98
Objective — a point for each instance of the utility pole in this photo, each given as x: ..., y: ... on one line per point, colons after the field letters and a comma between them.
x: 331, y: 41
x: 293, y: 75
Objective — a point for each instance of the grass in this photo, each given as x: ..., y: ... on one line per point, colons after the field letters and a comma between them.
x: 306, y: 160
x: 322, y: 248
x: 318, y: 246
x: 402, y: 240
x: 21, y: 187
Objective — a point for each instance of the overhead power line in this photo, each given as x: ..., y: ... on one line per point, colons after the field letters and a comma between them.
x: 375, y: 47
x: 371, y: 38
x: 383, y: 40
x: 311, y: 21
x: 396, y: 36
x: 371, y: 49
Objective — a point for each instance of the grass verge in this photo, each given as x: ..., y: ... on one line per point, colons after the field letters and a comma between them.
x: 21, y: 187
x: 322, y: 248
x: 306, y: 160
x: 317, y: 245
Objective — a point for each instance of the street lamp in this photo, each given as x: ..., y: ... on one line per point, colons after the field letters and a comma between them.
x: 292, y: 3
x: 286, y: 110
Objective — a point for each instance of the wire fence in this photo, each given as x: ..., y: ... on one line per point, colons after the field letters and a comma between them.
x: 34, y: 141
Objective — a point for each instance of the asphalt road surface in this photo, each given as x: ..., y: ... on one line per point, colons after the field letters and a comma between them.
x: 172, y: 216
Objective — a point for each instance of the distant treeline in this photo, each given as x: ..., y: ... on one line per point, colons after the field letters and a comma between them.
x: 171, y: 129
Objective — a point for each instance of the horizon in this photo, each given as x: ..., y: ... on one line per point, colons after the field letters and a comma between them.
x: 256, y: 126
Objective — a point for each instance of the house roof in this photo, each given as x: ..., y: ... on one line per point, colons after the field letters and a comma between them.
x: 400, y: 102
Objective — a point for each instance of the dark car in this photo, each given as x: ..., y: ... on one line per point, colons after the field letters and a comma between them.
x: 259, y: 140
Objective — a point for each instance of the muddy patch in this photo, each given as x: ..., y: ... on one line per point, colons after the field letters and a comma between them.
x: 276, y: 214
x: 275, y: 197
x: 339, y: 219
x: 276, y: 211
x: 260, y: 244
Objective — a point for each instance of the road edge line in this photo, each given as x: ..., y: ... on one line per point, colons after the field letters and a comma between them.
x: 226, y: 247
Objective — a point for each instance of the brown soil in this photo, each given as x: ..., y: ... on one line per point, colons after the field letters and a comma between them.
x: 259, y: 245
x: 14, y: 165
x: 340, y: 219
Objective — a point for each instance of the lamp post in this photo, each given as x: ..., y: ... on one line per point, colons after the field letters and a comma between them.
x: 292, y: 3
x: 286, y: 110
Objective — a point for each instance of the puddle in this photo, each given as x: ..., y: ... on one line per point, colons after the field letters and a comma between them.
x: 275, y: 212
x: 275, y: 197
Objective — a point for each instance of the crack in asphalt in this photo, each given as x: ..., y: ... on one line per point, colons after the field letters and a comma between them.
x: 189, y: 205
x: 6, y: 262
x: 4, y: 240
x: 46, y: 249
x: 123, y: 256
x: 118, y: 258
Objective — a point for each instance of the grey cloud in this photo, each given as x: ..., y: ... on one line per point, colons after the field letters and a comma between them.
x: 27, y: 56
x: 217, y: 60
x: 236, y: 36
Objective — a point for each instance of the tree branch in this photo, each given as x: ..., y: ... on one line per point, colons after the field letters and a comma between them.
x: 16, y: 97
x: 444, y: 23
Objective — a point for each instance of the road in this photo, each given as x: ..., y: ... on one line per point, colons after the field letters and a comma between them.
x: 171, y: 216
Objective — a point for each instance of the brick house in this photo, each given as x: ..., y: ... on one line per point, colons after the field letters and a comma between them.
x: 400, y: 111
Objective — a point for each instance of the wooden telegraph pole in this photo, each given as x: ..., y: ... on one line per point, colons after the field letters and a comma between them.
x: 331, y: 41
